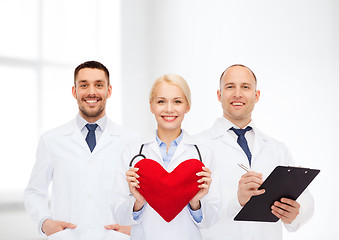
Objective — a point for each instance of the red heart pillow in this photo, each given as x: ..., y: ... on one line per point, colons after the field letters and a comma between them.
x: 168, y: 193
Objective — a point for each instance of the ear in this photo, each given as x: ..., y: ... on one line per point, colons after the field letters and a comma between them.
x: 219, y: 95
x: 109, y: 91
x: 151, y: 107
x: 188, y: 109
x: 74, y: 92
x: 257, y: 95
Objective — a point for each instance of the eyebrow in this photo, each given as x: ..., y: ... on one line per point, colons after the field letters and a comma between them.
x: 166, y: 98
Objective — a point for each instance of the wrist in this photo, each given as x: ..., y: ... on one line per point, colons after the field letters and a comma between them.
x: 138, y: 206
x: 195, y: 205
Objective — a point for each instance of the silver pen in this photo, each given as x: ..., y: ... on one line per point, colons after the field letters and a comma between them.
x: 243, y: 167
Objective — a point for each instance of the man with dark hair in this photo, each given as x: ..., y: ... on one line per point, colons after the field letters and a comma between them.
x: 79, y: 159
x: 235, y: 140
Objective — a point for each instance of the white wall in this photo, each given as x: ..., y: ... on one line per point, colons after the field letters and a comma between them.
x: 292, y: 46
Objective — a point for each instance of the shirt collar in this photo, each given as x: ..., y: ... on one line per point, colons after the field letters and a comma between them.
x: 176, y: 141
x: 81, y: 122
x: 228, y: 124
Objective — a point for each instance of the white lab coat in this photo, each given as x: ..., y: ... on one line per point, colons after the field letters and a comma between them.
x: 82, y: 181
x: 267, y: 153
x: 151, y: 226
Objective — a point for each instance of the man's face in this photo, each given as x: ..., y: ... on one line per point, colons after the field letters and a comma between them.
x: 91, y: 91
x: 238, y: 95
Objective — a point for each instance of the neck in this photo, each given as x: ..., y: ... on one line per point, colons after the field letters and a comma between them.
x: 91, y: 119
x: 239, y: 123
x: 168, y: 136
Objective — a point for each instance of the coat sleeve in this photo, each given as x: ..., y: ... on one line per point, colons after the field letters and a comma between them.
x: 36, y: 193
x: 211, y: 203
x: 305, y: 200
x: 123, y: 201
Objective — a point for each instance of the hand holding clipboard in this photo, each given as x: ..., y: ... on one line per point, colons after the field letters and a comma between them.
x: 283, y: 182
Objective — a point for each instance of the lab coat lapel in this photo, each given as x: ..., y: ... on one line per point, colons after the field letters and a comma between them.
x: 182, y: 146
x: 219, y: 130
x: 155, y: 148
x: 76, y: 135
x: 259, y: 142
x: 151, y: 140
x: 107, y: 136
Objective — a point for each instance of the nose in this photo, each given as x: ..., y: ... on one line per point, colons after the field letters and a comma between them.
x: 169, y: 107
x: 237, y: 92
x: 91, y: 89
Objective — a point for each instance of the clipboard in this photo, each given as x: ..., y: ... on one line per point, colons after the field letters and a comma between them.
x: 288, y: 182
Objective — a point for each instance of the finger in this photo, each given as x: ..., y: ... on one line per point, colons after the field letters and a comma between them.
x: 279, y: 212
x: 134, y: 184
x: 67, y: 225
x: 249, y: 187
x: 258, y: 192
x: 251, y: 179
x: 204, y: 186
x: 252, y: 174
x: 205, y: 179
x: 204, y: 174
x: 132, y: 179
x: 131, y: 174
x: 112, y: 227
x: 206, y: 169
x: 290, y: 202
x: 286, y: 207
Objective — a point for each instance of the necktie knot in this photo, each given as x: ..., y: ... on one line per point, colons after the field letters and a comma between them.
x: 91, y: 127
x: 241, y: 131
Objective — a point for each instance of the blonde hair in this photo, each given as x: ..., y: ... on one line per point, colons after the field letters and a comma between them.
x: 176, y: 80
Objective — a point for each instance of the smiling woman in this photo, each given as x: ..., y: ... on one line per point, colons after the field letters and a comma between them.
x: 169, y: 150
x: 170, y: 100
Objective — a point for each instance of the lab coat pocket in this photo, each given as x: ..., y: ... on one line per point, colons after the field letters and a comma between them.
x: 66, y: 234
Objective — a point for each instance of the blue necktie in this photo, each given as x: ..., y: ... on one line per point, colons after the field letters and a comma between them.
x: 90, y: 138
x: 242, y: 141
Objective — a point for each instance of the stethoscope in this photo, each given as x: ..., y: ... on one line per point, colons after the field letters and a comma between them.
x: 144, y: 157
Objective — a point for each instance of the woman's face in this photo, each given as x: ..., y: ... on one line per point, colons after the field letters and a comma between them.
x: 169, y: 106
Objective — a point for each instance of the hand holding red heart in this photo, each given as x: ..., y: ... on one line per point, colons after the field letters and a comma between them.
x: 133, y: 183
x: 205, y: 181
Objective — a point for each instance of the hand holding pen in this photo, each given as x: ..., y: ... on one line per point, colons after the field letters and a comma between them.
x: 248, y: 185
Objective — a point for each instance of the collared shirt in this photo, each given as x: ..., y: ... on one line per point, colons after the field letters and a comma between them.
x: 102, y: 123
x: 249, y: 135
x: 167, y: 155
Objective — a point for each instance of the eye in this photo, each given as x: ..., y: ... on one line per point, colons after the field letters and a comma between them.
x: 83, y: 85
x: 100, y: 85
x: 177, y: 101
x: 229, y: 86
x: 246, y: 87
x: 160, y: 101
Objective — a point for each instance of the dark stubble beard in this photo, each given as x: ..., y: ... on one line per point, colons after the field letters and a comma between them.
x: 92, y: 114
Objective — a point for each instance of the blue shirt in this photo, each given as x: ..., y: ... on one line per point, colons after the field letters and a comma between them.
x: 167, y: 157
